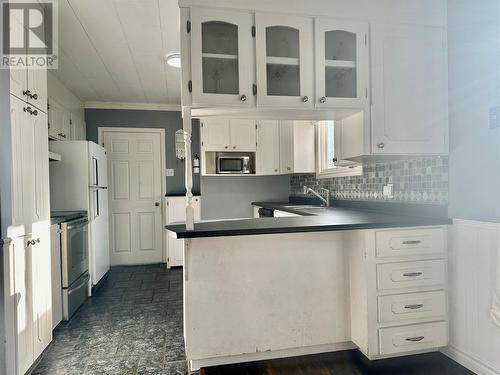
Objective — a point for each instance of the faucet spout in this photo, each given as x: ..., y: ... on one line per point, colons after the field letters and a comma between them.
x: 326, y: 201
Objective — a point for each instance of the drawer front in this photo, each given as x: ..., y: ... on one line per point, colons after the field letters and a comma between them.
x: 411, y: 306
x: 411, y: 274
x: 392, y: 243
x: 414, y: 337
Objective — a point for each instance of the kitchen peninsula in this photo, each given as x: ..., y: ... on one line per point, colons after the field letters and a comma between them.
x: 326, y: 279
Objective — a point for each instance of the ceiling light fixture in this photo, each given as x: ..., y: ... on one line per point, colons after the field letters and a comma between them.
x: 174, y: 59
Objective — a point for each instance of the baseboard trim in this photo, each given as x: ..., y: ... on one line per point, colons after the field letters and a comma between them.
x: 196, y: 364
x: 467, y: 361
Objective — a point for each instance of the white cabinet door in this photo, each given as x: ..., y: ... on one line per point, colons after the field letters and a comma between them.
x: 78, y: 128
x: 409, y: 86
x: 18, y: 76
x: 284, y: 61
x: 59, y: 121
x: 40, y: 167
x: 286, y: 147
x: 268, y: 140
x: 37, y: 84
x: 243, y: 135
x: 215, y: 135
x: 342, y: 63
x: 304, y: 156
x: 221, y: 57
x: 176, y: 213
x: 41, y: 289
x: 23, y: 159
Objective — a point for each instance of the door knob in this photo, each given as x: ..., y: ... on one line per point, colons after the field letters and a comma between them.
x: 157, y: 204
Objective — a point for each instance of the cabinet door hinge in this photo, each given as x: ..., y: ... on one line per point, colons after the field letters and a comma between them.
x: 254, y: 89
x: 366, y: 39
x: 366, y: 92
x: 71, y: 122
x: 190, y: 86
x: 253, y: 31
x: 188, y: 26
x: 202, y: 143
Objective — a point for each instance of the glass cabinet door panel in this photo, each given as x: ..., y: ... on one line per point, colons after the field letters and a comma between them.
x: 340, y: 64
x: 220, y: 58
x: 283, y: 61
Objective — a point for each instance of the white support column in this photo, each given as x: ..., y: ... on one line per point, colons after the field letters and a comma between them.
x: 188, y: 129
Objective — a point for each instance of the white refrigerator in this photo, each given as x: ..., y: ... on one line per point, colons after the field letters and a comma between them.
x: 80, y: 182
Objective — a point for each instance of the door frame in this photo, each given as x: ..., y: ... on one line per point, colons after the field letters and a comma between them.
x: 163, y: 154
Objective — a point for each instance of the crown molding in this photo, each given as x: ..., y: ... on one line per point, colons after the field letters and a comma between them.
x: 133, y: 106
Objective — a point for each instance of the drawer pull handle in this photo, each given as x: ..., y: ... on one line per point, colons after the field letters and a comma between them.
x: 415, y: 339
x: 412, y: 274
x: 413, y: 242
x: 414, y: 307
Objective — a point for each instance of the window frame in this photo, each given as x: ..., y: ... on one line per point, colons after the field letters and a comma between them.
x: 343, y: 168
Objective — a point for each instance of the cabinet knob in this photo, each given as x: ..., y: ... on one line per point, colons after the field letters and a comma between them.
x: 28, y: 109
x: 381, y: 145
x: 288, y: 169
x: 157, y: 204
x: 322, y: 100
x: 34, y: 96
x: 27, y: 93
x: 305, y: 99
x: 234, y: 147
x: 226, y: 147
x: 276, y: 170
x: 34, y: 113
x: 243, y: 98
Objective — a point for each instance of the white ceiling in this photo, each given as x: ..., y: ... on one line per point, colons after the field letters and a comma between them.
x: 114, y: 50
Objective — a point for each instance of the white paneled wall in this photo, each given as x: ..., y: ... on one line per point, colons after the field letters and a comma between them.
x: 474, y: 340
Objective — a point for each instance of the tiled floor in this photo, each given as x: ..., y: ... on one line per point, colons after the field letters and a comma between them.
x: 133, y: 325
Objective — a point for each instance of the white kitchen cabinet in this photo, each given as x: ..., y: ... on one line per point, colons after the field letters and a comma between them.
x: 37, y: 84
x: 18, y: 77
x: 409, y: 90
x: 228, y: 135
x: 77, y: 128
x: 176, y: 213
x: 284, y: 60
x: 342, y: 63
x: 297, y: 148
x: 221, y: 57
x: 59, y: 121
x: 268, y: 141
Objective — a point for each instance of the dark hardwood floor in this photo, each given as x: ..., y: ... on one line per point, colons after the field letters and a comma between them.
x: 349, y: 362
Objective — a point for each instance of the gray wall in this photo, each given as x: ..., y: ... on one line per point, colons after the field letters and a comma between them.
x: 474, y: 71
x: 231, y: 197
x: 168, y: 120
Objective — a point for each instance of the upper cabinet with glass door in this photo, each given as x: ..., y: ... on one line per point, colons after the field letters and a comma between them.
x: 284, y: 61
x: 221, y: 57
x: 342, y: 63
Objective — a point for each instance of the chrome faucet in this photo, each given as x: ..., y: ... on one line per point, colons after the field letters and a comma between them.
x: 326, y: 202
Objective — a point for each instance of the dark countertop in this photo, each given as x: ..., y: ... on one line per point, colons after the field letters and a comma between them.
x: 338, y: 218
x: 58, y: 217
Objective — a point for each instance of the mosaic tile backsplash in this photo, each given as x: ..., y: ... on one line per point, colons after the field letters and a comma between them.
x: 420, y: 180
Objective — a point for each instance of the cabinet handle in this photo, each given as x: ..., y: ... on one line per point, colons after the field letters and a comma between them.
x: 413, y: 242
x: 381, y: 145
x: 415, y: 339
x: 305, y: 99
x: 34, y: 96
x: 414, y: 307
x: 33, y: 242
x: 412, y: 274
x: 322, y: 100
x: 34, y: 113
x: 28, y: 109
x: 243, y: 98
x: 27, y: 93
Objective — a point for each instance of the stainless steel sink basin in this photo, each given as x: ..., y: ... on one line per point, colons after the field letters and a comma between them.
x: 305, y: 207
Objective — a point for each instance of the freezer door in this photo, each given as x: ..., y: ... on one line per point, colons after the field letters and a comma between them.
x: 98, y: 167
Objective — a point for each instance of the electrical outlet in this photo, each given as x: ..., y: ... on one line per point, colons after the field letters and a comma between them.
x: 170, y: 172
x: 388, y: 191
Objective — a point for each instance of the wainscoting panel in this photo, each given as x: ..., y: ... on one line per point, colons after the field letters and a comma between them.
x: 474, y: 340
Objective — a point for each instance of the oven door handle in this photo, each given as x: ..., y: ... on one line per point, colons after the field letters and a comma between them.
x: 78, y: 225
x: 79, y: 286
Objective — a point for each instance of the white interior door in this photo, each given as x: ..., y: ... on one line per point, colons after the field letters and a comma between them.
x: 135, y: 195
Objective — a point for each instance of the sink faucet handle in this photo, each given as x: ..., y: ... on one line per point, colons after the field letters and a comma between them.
x: 306, y: 189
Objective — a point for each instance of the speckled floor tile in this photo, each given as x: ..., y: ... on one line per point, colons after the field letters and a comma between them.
x: 113, y: 366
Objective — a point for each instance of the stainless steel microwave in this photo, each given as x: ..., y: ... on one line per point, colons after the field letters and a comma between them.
x: 228, y: 163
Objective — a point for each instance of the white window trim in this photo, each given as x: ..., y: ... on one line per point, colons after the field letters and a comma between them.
x: 349, y: 169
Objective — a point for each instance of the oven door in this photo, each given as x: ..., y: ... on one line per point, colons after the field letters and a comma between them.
x: 74, y: 250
